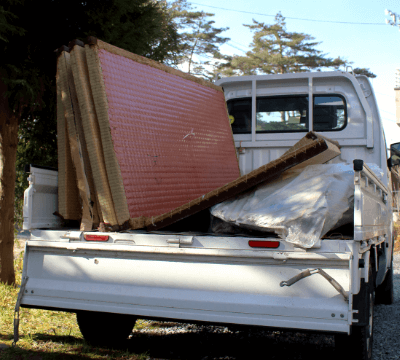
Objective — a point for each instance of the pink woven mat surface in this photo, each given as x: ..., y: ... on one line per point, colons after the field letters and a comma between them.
x: 171, y: 136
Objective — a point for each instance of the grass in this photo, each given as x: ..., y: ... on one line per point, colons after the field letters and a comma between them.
x: 396, y: 237
x: 47, y: 334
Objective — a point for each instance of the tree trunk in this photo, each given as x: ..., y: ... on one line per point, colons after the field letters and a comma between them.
x: 8, y: 153
x: 191, y: 55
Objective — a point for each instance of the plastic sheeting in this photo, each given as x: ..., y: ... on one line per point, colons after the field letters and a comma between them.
x: 301, y: 206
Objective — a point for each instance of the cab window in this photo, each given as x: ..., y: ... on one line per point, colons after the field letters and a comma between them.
x: 288, y: 114
x: 282, y: 114
x: 240, y: 114
x: 329, y: 113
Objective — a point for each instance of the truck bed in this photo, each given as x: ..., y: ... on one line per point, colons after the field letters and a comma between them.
x: 214, y: 279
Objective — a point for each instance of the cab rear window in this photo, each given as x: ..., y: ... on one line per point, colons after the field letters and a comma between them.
x: 288, y: 114
x: 282, y: 114
x: 240, y: 110
x: 329, y: 113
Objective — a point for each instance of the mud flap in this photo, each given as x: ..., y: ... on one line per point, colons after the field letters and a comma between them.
x: 361, y: 303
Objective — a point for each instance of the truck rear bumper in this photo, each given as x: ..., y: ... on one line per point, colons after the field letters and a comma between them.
x: 217, y: 289
x: 214, y: 317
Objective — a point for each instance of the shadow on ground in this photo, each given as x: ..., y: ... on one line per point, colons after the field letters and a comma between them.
x: 238, y: 345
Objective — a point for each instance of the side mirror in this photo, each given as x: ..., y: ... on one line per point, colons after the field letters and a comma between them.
x: 394, y: 155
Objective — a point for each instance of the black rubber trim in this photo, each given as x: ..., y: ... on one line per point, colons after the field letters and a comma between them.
x: 91, y: 40
x: 28, y: 167
x: 358, y: 165
x: 76, y: 42
x: 61, y: 49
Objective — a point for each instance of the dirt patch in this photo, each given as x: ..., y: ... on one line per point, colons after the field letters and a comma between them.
x: 19, y: 246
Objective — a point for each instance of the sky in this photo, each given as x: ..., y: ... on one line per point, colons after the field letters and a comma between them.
x: 352, y: 29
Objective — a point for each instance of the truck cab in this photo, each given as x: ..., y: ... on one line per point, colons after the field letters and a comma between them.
x: 270, y: 113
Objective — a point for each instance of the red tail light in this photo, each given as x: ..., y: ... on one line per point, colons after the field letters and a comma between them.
x: 264, y: 244
x: 89, y: 237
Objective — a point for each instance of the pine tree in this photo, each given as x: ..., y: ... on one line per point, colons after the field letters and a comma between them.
x: 274, y: 50
x: 198, y: 38
x: 364, y: 71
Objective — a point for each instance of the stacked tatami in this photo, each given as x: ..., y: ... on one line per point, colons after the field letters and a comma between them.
x: 136, y: 139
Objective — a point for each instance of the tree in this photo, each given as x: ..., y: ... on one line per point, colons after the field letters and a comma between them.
x: 198, y: 38
x: 7, y: 29
x: 29, y: 34
x: 274, y: 50
x: 364, y: 71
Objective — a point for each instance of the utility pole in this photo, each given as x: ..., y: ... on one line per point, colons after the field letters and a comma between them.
x: 395, y: 21
x: 397, y: 94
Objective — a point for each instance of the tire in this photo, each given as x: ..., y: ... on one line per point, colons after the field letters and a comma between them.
x: 384, y: 292
x: 105, y: 329
x: 358, y: 345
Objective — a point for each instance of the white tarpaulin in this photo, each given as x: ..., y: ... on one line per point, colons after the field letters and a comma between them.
x: 301, y: 206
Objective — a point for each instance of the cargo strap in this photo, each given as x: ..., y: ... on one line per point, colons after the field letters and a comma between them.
x: 310, y: 272
x: 16, y: 310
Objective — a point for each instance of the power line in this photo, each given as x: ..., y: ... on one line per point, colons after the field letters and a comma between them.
x: 287, y: 17
x: 387, y: 112
x: 387, y: 119
x: 235, y: 47
x: 391, y: 96
x: 206, y: 56
x: 237, y: 43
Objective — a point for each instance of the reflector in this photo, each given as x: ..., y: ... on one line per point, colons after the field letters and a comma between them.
x: 263, y: 244
x: 89, y: 237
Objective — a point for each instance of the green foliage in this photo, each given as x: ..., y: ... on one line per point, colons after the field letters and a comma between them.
x: 139, y: 26
x: 274, y: 50
x: 364, y: 71
x: 6, y: 27
x: 198, y: 38
x: 30, y: 33
x: 278, y: 126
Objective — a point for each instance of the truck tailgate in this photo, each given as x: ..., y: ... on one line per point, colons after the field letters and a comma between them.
x: 240, y: 286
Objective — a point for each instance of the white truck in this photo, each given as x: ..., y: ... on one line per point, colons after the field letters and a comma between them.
x: 110, y: 279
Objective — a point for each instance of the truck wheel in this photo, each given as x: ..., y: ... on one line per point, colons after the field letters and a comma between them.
x: 105, y: 329
x: 384, y: 292
x: 358, y: 345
